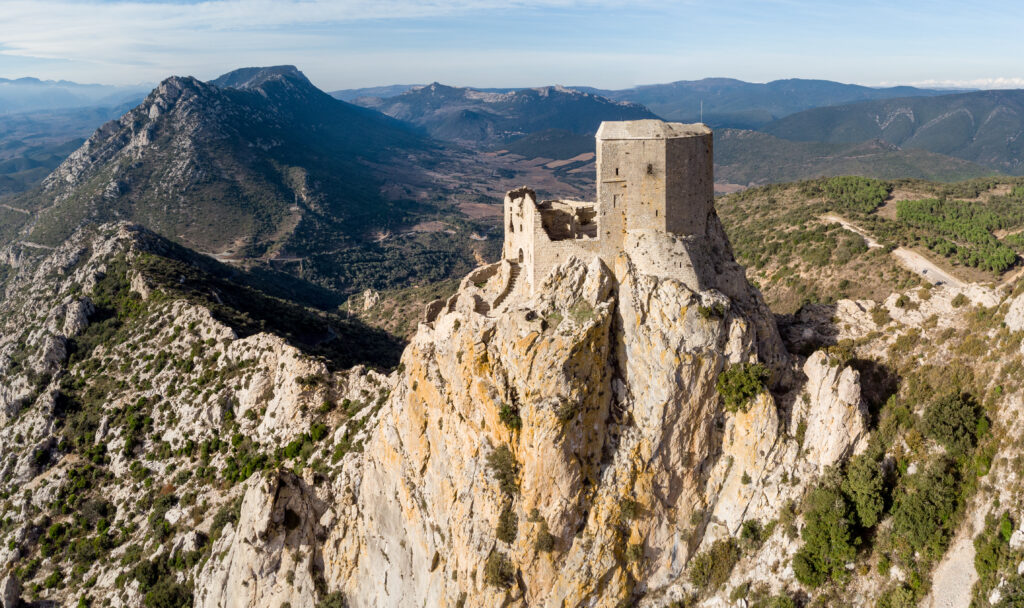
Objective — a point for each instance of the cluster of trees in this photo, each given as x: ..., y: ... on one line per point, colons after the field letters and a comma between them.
x: 842, y: 514
x: 963, y: 231
x: 860, y: 195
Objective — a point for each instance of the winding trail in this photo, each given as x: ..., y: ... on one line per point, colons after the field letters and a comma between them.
x: 912, y: 260
x: 25, y: 211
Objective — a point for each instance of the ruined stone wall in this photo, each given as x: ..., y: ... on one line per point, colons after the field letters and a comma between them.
x: 520, y: 212
x: 525, y: 232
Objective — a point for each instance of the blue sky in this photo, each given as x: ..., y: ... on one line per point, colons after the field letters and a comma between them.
x: 497, y: 43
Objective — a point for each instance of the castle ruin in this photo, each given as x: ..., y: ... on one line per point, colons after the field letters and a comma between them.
x: 652, y: 177
x: 655, y: 197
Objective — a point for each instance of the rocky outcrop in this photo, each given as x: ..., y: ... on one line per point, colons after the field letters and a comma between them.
x: 1014, y: 318
x: 604, y: 397
x: 830, y: 417
x: 10, y: 592
x: 271, y: 557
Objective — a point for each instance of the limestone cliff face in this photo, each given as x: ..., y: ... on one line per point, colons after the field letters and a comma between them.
x: 268, y: 558
x: 564, y: 449
x: 621, y: 451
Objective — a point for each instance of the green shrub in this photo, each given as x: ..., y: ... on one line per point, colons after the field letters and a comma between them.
x: 508, y: 525
x: 505, y: 468
x: 897, y: 597
x: 992, y: 555
x: 828, y: 540
x: 629, y: 509
x: 1012, y: 593
x: 318, y: 431
x: 716, y: 311
x: 953, y: 421
x: 545, y: 541
x: 753, y: 534
x: 335, y: 599
x: 926, y: 506
x: 509, y: 416
x: 168, y: 593
x: 160, y: 586
x: 880, y: 315
x: 959, y: 300
x: 499, y: 571
x: 710, y: 569
x: 865, y: 487
x: 227, y: 514
x: 738, y: 384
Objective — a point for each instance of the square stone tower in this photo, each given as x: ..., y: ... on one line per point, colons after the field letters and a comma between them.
x: 653, y: 175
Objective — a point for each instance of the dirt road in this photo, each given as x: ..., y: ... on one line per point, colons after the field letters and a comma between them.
x: 912, y: 260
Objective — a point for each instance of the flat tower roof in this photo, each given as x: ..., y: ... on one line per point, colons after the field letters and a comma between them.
x: 650, y: 129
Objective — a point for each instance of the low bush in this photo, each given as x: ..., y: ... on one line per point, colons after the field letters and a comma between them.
x: 710, y: 569
x: 953, y: 421
x: 829, y: 543
x: 508, y: 525
x: 924, y: 512
x: 505, y: 468
x: 738, y: 384
x: 335, y: 599
x: 545, y: 541
x: 499, y: 571
x: 509, y: 416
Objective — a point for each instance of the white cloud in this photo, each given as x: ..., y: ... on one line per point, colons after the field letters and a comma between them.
x: 146, y: 40
x: 971, y: 83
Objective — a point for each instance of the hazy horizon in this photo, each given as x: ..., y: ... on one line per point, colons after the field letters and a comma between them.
x: 515, y: 44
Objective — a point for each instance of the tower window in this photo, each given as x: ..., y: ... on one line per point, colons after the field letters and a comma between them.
x: 650, y: 169
x: 616, y: 170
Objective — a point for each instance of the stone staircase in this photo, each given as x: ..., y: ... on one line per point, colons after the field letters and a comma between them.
x: 513, y: 279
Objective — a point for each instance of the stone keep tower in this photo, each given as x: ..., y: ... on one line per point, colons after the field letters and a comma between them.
x: 653, y: 175
x: 653, y: 179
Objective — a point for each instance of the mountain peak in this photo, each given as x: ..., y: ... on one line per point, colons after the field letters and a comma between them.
x: 254, y: 77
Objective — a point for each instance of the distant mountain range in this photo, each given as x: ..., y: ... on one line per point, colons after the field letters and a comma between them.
x: 753, y: 158
x: 32, y: 95
x: 558, y: 123
x: 726, y: 102
x: 256, y: 165
x: 984, y: 127
x: 381, y: 92
x: 748, y: 105
x: 472, y: 116
x: 249, y: 163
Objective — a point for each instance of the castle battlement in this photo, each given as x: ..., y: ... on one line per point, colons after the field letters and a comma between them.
x: 652, y: 177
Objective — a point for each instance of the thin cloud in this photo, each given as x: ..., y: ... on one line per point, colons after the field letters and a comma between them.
x: 967, y: 83
x: 146, y: 40
x: 974, y: 83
